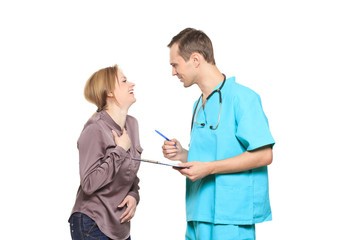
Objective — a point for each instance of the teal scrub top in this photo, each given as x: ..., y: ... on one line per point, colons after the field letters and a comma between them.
x: 239, y: 198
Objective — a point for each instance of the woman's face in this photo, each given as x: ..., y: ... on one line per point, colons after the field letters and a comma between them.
x: 124, y: 91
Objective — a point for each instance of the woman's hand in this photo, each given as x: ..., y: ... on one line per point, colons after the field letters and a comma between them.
x: 129, y: 213
x: 122, y: 141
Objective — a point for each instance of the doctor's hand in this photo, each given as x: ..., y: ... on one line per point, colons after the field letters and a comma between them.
x: 122, y: 141
x: 195, y: 170
x: 130, y: 203
x: 175, y: 153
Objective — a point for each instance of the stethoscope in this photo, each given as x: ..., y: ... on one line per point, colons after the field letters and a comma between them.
x: 194, y: 116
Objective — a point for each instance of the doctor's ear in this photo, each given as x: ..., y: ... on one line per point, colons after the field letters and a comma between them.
x: 195, y: 58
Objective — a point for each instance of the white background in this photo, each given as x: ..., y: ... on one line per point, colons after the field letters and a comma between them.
x: 302, y: 57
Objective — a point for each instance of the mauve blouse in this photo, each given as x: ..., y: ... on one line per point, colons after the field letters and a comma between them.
x: 107, y: 173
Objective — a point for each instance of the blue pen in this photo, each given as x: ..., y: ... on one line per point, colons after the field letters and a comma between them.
x: 163, y: 136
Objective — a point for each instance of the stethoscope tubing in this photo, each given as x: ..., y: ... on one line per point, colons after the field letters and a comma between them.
x: 197, y: 104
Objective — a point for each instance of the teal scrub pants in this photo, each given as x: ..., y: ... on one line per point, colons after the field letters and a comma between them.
x: 208, y: 231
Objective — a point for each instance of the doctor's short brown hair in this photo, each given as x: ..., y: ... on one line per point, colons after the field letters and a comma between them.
x: 191, y: 40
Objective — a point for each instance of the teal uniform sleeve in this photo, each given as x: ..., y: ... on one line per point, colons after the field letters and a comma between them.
x: 252, y: 125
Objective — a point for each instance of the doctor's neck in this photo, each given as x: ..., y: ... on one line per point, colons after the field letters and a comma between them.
x: 209, y: 77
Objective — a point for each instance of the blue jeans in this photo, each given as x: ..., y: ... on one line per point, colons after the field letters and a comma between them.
x: 84, y: 228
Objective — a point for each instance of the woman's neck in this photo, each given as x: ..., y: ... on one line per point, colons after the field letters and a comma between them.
x: 118, y: 115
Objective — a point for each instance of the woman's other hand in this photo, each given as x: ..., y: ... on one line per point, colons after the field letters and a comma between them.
x: 130, y: 203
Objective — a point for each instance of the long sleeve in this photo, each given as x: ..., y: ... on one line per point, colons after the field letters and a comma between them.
x: 134, y: 191
x: 97, y: 168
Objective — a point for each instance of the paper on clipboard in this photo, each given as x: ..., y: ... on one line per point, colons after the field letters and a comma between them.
x: 175, y: 164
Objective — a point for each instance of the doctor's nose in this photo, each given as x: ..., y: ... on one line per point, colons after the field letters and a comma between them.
x: 174, y: 72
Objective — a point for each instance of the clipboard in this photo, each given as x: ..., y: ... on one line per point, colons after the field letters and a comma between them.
x: 158, y: 162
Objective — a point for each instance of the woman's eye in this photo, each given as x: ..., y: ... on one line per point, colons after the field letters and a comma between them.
x: 123, y: 80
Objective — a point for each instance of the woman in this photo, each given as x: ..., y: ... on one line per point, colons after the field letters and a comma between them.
x: 108, y: 194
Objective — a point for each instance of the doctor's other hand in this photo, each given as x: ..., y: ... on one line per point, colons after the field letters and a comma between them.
x: 195, y: 170
x: 173, y: 150
x: 122, y: 141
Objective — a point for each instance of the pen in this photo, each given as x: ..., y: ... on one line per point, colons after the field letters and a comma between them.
x: 163, y: 136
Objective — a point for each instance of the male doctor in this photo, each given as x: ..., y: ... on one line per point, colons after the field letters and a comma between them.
x: 231, y: 145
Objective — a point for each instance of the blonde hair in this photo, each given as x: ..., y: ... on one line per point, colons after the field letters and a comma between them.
x: 99, y: 85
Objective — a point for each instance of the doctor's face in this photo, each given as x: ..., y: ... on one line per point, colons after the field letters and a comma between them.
x: 180, y: 68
